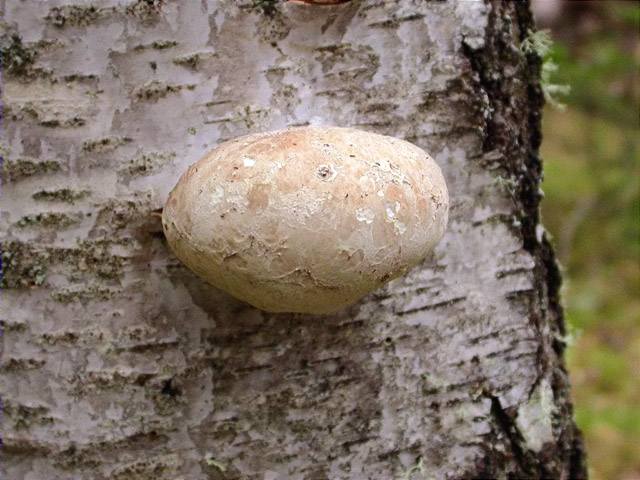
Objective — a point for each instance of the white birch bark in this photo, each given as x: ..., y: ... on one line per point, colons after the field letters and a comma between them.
x: 118, y: 363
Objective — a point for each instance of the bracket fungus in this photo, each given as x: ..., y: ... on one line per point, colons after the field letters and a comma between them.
x: 306, y: 219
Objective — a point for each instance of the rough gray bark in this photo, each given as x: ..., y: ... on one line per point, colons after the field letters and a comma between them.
x: 118, y: 363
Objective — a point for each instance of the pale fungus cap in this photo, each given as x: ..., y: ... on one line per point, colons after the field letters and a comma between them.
x: 306, y: 219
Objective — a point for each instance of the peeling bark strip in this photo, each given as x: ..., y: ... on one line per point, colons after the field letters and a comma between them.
x: 118, y: 363
x: 320, y: 2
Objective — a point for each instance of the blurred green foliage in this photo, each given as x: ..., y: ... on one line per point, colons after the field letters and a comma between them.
x: 592, y: 209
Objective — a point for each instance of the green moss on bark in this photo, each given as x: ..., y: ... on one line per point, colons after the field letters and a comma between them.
x: 66, y: 195
x: 16, y: 58
x: 22, y: 265
x: 14, y: 170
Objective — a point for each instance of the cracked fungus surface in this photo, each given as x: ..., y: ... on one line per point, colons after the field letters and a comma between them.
x: 307, y: 219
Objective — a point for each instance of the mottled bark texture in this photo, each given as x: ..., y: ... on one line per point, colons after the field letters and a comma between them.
x: 118, y: 363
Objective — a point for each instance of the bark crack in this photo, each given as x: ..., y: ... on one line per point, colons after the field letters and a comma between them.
x: 507, y: 426
x: 511, y: 113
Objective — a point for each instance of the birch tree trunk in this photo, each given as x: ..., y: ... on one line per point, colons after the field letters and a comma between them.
x: 118, y: 363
